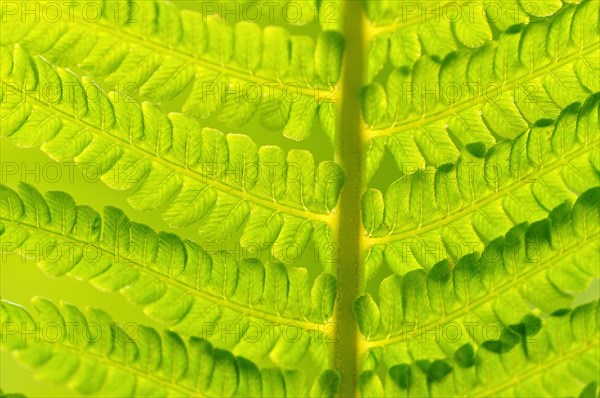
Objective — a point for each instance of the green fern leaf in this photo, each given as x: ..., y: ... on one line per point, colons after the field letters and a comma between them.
x: 430, y: 211
x: 192, y: 172
x: 515, y: 80
x: 152, y: 49
x: 95, y: 355
x: 178, y: 282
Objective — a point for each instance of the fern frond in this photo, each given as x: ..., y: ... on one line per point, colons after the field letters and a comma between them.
x: 437, y: 214
x: 538, y: 265
x: 191, y: 172
x: 454, y: 235
x: 414, y: 30
x: 177, y: 281
x: 95, y: 355
x: 160, y: 51
x: 557, y: 357
x: 424, y: 116
x: 401, y: 33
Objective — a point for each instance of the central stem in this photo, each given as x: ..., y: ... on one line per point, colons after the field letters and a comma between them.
x: 349, y: 143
